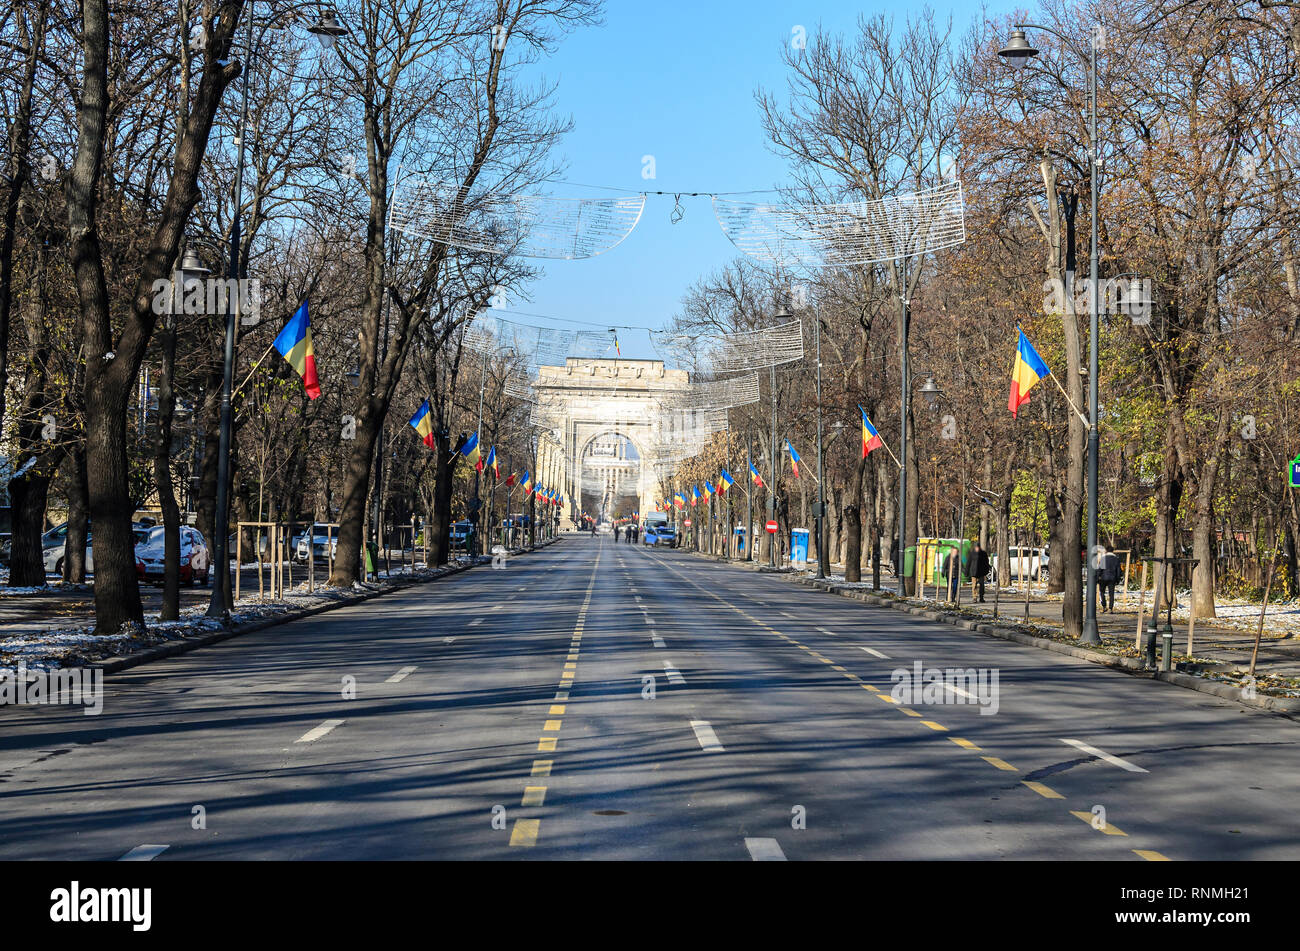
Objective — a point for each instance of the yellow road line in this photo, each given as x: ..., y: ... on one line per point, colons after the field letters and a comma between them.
x: 1087, y: 817
x: 546, y: 744
x: 557, y: 710
x: 1045, y: 791
x: 1151, y: 856
x: 1001, y: 764
x: 542, y: 767
x: 533, y: 796
x: 935, y: 726
x: 525, y: 832
x: 964, y: 744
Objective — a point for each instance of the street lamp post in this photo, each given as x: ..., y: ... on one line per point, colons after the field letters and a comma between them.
x: 906, y: 382
x: 1017, y: 53
x: 327, y: 30
x: 823, y: 561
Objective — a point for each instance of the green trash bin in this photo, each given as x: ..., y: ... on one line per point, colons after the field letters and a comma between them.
x: 909, y: 561
x: 372, y: 558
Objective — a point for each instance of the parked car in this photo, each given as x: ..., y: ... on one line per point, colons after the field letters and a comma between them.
x: 54, y: 542
x: 1032, y: 560
x: 195, y: 559
x: 460, y: 532
x: 324, y: 544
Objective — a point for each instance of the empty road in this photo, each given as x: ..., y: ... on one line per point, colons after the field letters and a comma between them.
x: 608, y: 701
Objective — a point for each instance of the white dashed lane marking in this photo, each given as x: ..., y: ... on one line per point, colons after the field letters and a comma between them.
x: 765, y: 850
x: 674, y: 675
x: 144, y: 853
x: 312, y: 735
x: 708, y: 739
x: 875, y: 653
x: 1101, y: 754
x: 401, y: 675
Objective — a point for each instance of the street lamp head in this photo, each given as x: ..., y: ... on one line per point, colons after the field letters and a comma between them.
x: 1017, y: 52
x: 328, y: 29
x: 931, y: 392
x: 192, y: 268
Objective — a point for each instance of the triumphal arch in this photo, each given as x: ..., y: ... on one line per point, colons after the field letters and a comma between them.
x: 622, y: 425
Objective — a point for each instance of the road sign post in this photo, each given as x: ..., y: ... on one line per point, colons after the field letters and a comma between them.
x: 1295, y: 472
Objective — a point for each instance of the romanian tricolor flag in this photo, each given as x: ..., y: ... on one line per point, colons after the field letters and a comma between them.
x: 527, y: 483
x: 492, y: 463
x: 510, y: 480
x: 294, y: 344
x: 678, y: 500
x: 1028, y: 370
x: 794, y: 459
x: 753, y: 474
x: 725, y: 482
x: 708, y: 489
x: 470, y: 450
x: 423, y: 423
x: 870, y: 438
x: 695, y: 496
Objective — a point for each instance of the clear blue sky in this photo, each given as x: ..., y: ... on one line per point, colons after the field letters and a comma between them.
x: 675, y: 80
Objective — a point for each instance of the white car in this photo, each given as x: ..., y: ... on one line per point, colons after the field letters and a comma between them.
x: 1031, y: 560
x: 54, y: 541
x: 195, y: 561
x: 321, y: 536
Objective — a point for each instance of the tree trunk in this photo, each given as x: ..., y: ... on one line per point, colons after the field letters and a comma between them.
x: 162, y: 470
x: 1003, y: 516
x: 205, y: 505
x: 27, y: 497
x: 74, y: 558
x: 441, y: 544
x: 113, y: 359
x: 853, y: 525
x: 18, y: 170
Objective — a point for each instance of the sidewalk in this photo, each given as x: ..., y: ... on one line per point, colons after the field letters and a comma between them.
x: 1222, y: 647
x: 68, y: 641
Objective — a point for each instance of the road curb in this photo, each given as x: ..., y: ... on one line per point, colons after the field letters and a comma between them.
x: 1284, y: 706
x: 184, y: 647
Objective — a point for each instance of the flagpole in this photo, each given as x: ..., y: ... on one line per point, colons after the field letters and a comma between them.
x: 254, y: 370
x: 771, y: 490
x: 1068, y: 400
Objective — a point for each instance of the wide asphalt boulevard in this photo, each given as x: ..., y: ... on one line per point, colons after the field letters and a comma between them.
x: 609, y: 701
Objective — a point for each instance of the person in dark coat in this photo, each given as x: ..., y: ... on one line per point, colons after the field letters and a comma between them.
x: 952, y: 569
x: 893, y: 557
x: 1108, y: 576
x: 980, y: 570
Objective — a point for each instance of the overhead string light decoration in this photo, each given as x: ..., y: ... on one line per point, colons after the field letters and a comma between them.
x: 757, y: 349
x: 526, y: 225
x: 860, y: 232
x: 715, y: 394
x: 519, y: 387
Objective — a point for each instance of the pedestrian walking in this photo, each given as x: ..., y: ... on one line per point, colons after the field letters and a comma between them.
x: 980, y: 570
x: 893, y: 557
x: 1107, y: 577
x: 952, y: 565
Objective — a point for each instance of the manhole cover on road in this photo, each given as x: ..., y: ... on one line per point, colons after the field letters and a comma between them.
x: 609, y: 812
